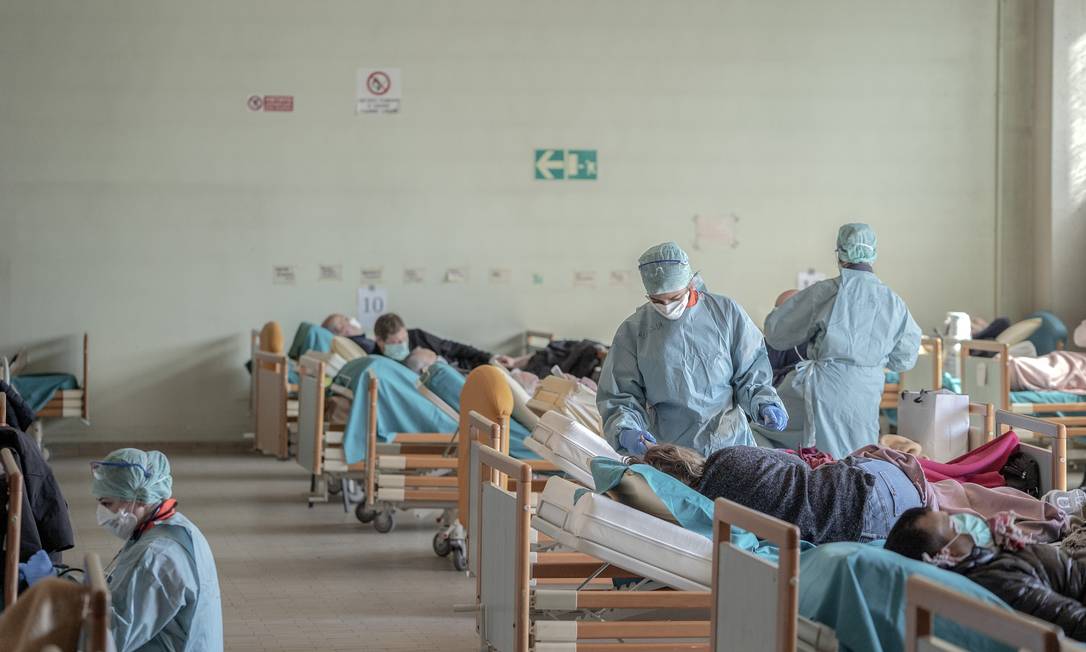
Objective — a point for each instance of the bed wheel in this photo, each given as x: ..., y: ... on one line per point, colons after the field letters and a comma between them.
x: 384, y: 522
x: 365, y: 514
x: 334, y: 487
x: 442, y: 547
x: 355, y: 492
x: 460, y: 560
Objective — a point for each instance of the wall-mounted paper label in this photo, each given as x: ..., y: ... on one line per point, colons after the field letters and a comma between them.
x: 620, y: 278
x: 414, y: 275
x: 372, y: 303
x: 806, y: 279
x: 330, y: 273
x: 370, y: 275
x: 537, y: 279
x: 584, y: 279
x: 378, y: 90
x: 283, y: 275
x: 500, y: 276
x: 456, y: 275
x: 715, y: 230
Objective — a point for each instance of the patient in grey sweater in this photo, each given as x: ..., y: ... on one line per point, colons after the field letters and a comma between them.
x: 854, y: 499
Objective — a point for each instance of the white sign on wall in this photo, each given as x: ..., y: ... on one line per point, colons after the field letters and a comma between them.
x: 371, y: 275
x: 283, y: 275
x: 330, y: 273
x: 584, y: 279
x: 377, y: 90
x: 414, y: 275
x: 501, y: 276
x: 372, y: 303
x: 456, y: 275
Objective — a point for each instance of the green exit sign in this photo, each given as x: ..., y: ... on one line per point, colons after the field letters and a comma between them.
x: 558, y: 164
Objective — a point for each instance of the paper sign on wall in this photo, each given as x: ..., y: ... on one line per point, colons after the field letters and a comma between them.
x: 806, y: 279
x: 371, y: 275
x: 584, y: 279
x: 620, y: 278
x: 372, y: 303
x: 283, y: 275
x: 715, y: 229
x: 456, y: 275
x: 500, y: 276
x: 378, y: 90
x: 330, y: 273
x: 537, y: 279
x: 414, y: 275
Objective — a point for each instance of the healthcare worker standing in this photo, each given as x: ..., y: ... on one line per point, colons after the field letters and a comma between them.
x: 685, y: 366
x: 163, y: 584
x: 854, y: 328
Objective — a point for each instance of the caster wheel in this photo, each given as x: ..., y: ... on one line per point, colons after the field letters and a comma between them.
x: 355, y: 492
x: 384, y: 522
x: 365, y: 514
x: 334, y: 487
x: 460, y: 560
x: 441, y: 545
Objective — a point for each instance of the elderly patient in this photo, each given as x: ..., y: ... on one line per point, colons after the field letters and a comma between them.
x: 1036, y: 578
x: 163, y: 583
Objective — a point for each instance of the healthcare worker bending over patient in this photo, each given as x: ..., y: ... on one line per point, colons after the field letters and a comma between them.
x: 855, y: 328
x: 685, y: 366
x: 163, y: 584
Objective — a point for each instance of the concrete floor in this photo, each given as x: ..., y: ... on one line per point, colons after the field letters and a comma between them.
x: 294, y: 578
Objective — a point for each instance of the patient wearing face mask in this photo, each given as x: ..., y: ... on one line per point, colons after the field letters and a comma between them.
x: 396, y: 341
x: 1036, y: 578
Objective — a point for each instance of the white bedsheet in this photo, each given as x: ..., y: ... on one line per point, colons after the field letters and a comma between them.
x: 569, y: 445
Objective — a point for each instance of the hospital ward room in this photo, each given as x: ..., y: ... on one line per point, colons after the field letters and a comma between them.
x: 510, y: 326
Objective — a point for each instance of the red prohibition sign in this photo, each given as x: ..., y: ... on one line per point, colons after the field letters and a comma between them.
x: 378, y: 83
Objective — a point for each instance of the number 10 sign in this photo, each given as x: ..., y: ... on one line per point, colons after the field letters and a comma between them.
x: 372, y: 303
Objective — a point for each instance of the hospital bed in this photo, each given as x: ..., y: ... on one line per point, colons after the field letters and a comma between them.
x: 13, y: 478
x: 927, y: 374
x: 275, y: 402
x: 988, y: 379
x: 1052, y: 461
x: 52, y: 395
x: 926, y: 600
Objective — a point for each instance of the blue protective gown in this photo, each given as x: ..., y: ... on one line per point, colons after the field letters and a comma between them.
x: 855, y: 328
x: 165, y: 591
x: 687, y: 381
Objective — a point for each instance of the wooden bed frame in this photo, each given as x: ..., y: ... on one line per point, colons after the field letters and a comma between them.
x: 97, y: 617
x: 1052, y: 461
x: 274, y: 407
x: 926, y: 599
x: 922, y: 376
x: 13, y: 476
x: 989, y: 379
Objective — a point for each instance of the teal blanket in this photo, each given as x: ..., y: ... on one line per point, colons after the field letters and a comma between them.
x: 310, y: 337
x: 859, y: 590
x: 38, y: 389
x: 448, y: 383
x: 400, y: 406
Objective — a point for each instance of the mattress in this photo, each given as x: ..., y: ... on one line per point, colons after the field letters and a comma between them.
x: 628, y: 538
x: 553, y: 509
x: 570, y: 445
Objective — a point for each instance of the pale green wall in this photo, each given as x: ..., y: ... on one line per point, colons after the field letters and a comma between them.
x: 141, y: 200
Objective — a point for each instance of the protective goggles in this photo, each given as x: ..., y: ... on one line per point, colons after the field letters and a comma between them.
x: 99, y: 469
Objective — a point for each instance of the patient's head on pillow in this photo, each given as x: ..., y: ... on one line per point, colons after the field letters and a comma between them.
x: 680, y: 462
x: 420, y: 360
x: 920, y: 531
x: 341, y: 324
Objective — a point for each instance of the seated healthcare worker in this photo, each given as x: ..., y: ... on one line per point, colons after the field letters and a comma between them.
x: 855, y: 499
x: 854, y: 328
x: 685, y: 366
x: 163, y: 584
x: 396, y: 341
x: 1039, y: 579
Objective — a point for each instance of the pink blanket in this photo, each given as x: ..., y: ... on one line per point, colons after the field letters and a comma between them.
x: 1063, y: 371
x: 979, y: 466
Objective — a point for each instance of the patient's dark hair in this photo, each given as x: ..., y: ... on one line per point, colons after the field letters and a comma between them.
x: 387, y: 325
x: 682, y: 463
x: 909, y: 539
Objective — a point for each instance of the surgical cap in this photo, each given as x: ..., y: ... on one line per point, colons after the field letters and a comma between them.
x: 665, y: 268
x: 856, y: 243
x: 132, y: 474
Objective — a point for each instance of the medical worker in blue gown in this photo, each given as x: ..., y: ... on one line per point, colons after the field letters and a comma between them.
x: 855, y: 328
x: 163, y: 584
x: 686, y: 368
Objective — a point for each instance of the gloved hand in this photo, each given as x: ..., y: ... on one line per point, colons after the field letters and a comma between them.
x: 39, y: 566
x: 773, y: 417
x: 635, y: 441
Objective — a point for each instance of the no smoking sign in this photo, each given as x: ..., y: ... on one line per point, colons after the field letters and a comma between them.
x: 378, y: 90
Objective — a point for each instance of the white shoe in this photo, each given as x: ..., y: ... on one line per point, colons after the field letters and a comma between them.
x: 1071, y: 501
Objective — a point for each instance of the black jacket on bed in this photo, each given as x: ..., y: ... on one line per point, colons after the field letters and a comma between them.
x: 19, y: 413
x: 464, y: 356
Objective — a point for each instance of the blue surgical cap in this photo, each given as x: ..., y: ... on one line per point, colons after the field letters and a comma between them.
x: 132, y: 474
x: 856, y: 243
x: 665, y: 268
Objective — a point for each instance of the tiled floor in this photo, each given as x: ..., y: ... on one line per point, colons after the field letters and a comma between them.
x: 294, y: 578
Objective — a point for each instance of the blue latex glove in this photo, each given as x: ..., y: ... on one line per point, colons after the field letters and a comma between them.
x: 774, y: 418
x: 635, y: 441
x: 39, y: 566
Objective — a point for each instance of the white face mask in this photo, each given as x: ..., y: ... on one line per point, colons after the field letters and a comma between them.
x: 673, y: 309
x: 120, y: 524
x: 354, y: 323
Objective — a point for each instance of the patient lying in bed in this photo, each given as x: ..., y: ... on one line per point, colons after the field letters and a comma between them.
x: 855, y: 499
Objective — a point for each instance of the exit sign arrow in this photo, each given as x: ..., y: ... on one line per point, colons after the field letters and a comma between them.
x: 549, y: 166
